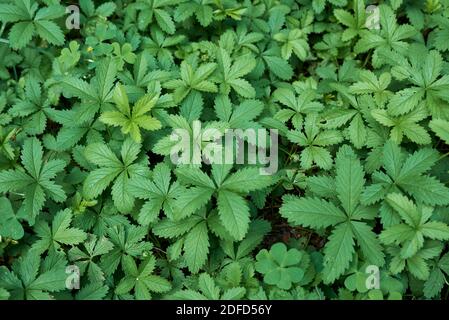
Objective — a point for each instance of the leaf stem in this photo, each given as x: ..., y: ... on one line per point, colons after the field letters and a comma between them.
x: 368, y: 56
x: 444, y: 156
x: 2, y: 28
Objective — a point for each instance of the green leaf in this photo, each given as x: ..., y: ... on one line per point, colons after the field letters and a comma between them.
x: 93, y: 291
x: 21, y: 34
x: 338, y: 252
x: 164, y: 21
x: 405, y: 208
x: 9, y: 224
x: 192, y: 200
x: 196, y: 247
x: 279, y: 67
x: 311, y: 212
x: 279, y: 266
x: 441, y: 128
x: 130, y: 120
x: 367, y: 240
x: 234, y: 213
x: 12, y: 13
x: 49, y: 31
x: 247, y: 180
x: 349, y: 180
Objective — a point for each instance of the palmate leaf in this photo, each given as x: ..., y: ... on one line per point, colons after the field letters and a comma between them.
x: 112, y: 170
x: 128, y: 241
x: 302, y: 105
x: 36, y: 182
x: 30, y: 279
x: 437, y: 277
x: 425, y: 74
x: 409, y: 173
x: 416, y: 227
x: 230, y: 75
x: 194, y: 233
x: 86, y: 259
x: 141, y: 279
x: 405, y: 125
x: 93, y: 95
x: 391, y: 37
x: 233, y: 209
x: 31, y: 21
x: 418, y: 264
x: 192, y: 80
x: 159, y: 192
x: 59, y: 234
x: 312, y: 154
x: 347, y: 229
x: 131, y: 120
x: 355, y: 23
x: 294, y: 41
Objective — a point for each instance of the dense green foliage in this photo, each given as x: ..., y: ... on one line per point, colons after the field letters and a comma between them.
x: 87, y: 182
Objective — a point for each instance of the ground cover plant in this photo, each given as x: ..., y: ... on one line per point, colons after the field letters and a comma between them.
x: 95, y: 97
